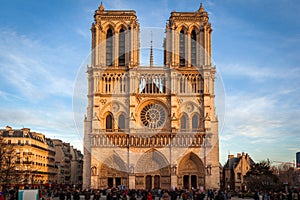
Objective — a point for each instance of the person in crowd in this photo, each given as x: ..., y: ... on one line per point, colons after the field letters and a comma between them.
x: 132, y: 196
x: 149, y: 196
x: 185, y: 195
x: 200, y: 195
x: 1, y: 196
x: 68, y: 194
x: 210, y: 195
x: 165, y: 196
x: 76, y: 195
x: 219, y: 196
x: 61, y: 195
x: 87, y: 194
x: 97, y: 195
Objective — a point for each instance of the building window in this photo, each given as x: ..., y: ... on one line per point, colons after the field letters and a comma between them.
x: 182, y: 48
x: 183, y: 122
x: 122, y: 48
x: 19, y: 142
x: 193, y: 48
x: 182, y: 84
x: 121, y: 122
x: 153, y: 115
x: 107, y: 85
x: 9, y: 142
x: 121, y: 85
x: 109, y: 47
x: 194, y: 84
x: 109, y: 122
x: 195, y: 122
x: 26, y: 142
x: 239, y: 176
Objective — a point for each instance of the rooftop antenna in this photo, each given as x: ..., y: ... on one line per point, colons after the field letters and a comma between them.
x: 151, y: 53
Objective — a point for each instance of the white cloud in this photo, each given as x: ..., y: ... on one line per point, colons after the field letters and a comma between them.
x: 33, y: 69
x: 254, y: 116
x: 259, y: 73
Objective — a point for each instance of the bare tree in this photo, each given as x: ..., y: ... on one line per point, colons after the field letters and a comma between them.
x: 8, y: 172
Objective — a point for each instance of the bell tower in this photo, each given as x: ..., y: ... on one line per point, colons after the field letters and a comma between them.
x: 188, y: 55
x: 115, y: 50
x: 115, y: 38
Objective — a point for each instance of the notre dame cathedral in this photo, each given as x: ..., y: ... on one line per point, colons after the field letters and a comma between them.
x: 151, y: 126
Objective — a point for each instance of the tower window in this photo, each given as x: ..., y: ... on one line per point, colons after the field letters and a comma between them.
x: 109, y: 47
x: 182, y: 84
x: 182, y: 48
x: 121, y: 57
x: 195, y: 122
x: 194, y: 84
x: 183, y: 123
x: 193, y: 48
x: 121, y: 122
x: 109, y: 122
x: 108, y: 85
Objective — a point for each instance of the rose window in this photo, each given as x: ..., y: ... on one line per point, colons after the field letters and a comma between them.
x: 153, y: 115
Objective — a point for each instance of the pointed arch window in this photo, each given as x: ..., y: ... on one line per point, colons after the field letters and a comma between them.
x: 109, y: 47
x: 193, y: 48
x: 109, y: 122
x: 183, y: 122
x: 121, y: 57
x: 182, y: 48
x: 121, y: 122
x: 195, y: 122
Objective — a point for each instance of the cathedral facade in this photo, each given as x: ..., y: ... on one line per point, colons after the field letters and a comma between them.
x: 151, y: 126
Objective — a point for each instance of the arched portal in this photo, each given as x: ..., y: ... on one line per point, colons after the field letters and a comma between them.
x: 152, y: 171
x: 113, y: 172
x: 191, y: 172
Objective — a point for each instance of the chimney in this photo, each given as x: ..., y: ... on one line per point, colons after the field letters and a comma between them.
x: 8, y: 128
x: 26, y: 130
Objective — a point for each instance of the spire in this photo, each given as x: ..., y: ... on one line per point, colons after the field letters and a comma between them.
x: 151, y: 53
x: 101, y: 7
x: 201, y: 9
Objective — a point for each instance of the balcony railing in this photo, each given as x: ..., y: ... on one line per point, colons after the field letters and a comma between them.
x: 146, y: 139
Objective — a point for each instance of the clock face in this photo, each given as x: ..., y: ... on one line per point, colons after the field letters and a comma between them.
x: 153, y: 115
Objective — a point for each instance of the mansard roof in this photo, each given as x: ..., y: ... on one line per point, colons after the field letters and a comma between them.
x: 232, y: 162
x: 23, y: 133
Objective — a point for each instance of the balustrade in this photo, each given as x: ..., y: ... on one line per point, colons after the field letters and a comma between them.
x: 123, y: 140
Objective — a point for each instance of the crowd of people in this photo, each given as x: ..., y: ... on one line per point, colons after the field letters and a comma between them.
x: 160, y: 194
x: 272, y: 195
x: 126, y: 194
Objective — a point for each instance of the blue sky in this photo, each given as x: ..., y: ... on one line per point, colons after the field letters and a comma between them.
x: 43, y: 45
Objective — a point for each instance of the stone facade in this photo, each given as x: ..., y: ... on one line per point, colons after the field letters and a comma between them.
x: 34, y: 155
x: 76, y: 166
x: 42, y: 160
x: 62, y: 161
x: 234, y: 171
x: 69, y: 162
x: 154, y: 126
